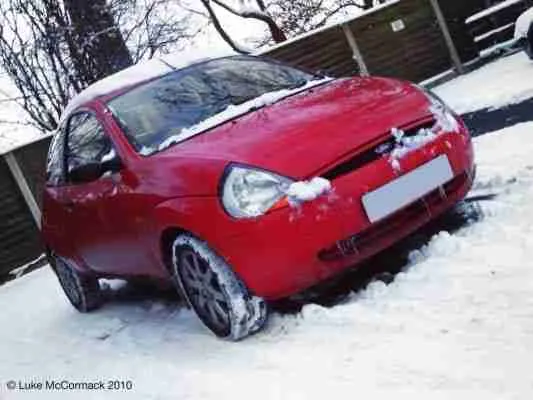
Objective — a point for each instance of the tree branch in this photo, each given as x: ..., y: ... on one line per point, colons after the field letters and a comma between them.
x: 220, y: 29
x: 277, y: 34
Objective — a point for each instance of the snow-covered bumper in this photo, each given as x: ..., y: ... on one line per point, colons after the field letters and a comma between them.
x: 291, y: 249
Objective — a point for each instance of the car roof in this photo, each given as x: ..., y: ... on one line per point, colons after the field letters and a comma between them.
x: 141, y: 72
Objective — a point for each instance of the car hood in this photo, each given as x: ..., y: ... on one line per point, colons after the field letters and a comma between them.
x: 302, y: 134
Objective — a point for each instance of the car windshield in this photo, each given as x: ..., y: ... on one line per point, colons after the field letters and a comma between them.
x: 187, y: 102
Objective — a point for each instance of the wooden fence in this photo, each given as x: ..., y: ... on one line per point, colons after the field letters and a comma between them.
x: 19, y: 233
x: 409, y: 39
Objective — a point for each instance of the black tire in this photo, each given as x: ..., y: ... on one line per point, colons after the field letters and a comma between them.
x: 83, y: 291
x: 214, y: 292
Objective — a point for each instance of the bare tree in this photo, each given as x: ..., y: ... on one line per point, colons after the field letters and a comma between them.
x: 52, y: 49
x: 254, y: 9
x: 299, y: 16
x: 284, y: 18
x: 35, y: 56
x: 150, y: 27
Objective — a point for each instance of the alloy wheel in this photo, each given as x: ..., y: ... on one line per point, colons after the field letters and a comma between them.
x: 205, y: 292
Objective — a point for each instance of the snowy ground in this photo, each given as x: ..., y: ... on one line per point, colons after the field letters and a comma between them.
x: 508, y: 80
x: 456, y: 323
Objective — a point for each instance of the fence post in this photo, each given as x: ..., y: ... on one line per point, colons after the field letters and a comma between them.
x: 357, y: 56
x: 18, y: 175
x: 447, y: 36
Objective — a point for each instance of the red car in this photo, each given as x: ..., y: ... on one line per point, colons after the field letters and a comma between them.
x: 243, y: 180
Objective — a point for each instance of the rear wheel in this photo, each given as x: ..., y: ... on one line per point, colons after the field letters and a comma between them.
x: 83, y: 291
x: 214, y: 291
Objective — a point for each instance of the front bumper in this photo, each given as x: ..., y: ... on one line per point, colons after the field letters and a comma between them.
x: 289, y: 250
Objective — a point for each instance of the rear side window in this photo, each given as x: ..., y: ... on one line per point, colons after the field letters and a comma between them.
x: 87, y: 142
x: 56, y: 160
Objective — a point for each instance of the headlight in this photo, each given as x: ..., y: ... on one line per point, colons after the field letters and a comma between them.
x: 249, y: 192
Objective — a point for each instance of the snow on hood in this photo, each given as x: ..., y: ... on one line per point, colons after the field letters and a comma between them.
x: 234, y: 111
x: 523, y: 23
x: 444, y: 122
x: 142, y: 72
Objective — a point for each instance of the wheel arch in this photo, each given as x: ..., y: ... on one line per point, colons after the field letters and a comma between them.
x: 166, y: 239
x: 180, y: 216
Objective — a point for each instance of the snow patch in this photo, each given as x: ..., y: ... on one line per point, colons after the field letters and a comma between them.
x: 444, y: 122
x: 409, y: 143
x: 498, y: 84
x: 128, y: 77
x: 304, y: 191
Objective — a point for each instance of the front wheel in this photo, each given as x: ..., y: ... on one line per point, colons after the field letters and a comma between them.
x: 214, y: 292
x: 82, y: 291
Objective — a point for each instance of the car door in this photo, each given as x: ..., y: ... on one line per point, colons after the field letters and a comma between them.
x: 100, y: 224
x: 56, y: 217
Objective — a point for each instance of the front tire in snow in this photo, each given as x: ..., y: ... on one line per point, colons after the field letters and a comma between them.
x: 83, y: 291
x: 214, y: 292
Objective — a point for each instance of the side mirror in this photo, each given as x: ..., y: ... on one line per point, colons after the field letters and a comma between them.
x: 92, y: 171
x: 112, y: 165
x: 85, y: 173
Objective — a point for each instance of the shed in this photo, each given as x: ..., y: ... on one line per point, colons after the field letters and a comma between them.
x: 22, y: 178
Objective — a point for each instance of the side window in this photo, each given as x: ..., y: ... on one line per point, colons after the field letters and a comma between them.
x: 55, y: 164
x: 87, y: 142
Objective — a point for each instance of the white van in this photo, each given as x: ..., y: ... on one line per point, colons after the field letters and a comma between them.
x: 524, y: 31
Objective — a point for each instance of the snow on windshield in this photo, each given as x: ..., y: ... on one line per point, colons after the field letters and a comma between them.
x: 186, y: 103
x: 233, y: 111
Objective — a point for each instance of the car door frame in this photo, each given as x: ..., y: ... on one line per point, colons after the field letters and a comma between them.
x: 119, y: 251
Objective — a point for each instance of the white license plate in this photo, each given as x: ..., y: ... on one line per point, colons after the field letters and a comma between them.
x: 408, y: 188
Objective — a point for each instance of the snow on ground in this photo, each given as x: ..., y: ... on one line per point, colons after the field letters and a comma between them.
x: 455, y: 324
x: 508, y: 80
